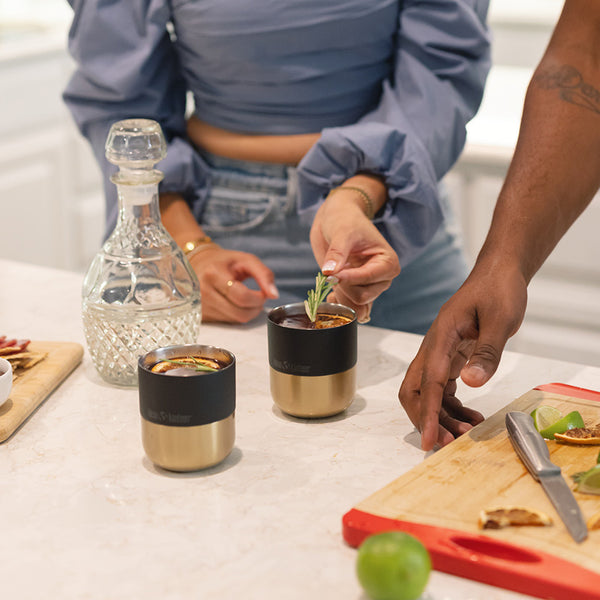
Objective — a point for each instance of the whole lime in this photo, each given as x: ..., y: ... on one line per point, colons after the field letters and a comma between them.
x: 393, y: 566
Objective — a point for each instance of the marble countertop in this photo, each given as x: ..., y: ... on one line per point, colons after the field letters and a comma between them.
x: 86, y: 515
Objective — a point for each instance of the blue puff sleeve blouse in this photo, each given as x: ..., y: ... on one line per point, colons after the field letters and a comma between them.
x: 390, y: 85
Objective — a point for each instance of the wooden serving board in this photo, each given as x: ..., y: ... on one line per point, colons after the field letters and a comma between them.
x: 37, y: 383
x: 439, y: 502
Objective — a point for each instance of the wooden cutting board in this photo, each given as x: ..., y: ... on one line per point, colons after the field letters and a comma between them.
x: 37, y: 383
x: 439, y: 502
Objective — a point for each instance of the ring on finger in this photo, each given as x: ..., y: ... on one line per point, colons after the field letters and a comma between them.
x: 229, y: 285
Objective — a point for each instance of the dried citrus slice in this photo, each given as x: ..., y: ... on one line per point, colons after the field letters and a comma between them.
x: 594, y: 522
x: 512, y: 516
x: 544, y: 416
x: 570, y: 421
x: 580, y: 435
x: 193, y: 363
x: 589, y: 482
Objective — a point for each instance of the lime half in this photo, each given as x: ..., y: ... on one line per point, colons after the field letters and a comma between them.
x: 544, y: 416
x: 570, y: 421
x: 589, y: 482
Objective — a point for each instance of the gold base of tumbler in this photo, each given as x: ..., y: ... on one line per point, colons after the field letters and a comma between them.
x: 188, y: 448
x: 313, y: 397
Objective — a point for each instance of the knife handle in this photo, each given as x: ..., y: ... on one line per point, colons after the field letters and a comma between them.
x: 529, y: 445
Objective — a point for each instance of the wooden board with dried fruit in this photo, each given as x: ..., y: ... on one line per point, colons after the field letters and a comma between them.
x: 38, y: 369
x: 19, y: 355
x: 474, y: 505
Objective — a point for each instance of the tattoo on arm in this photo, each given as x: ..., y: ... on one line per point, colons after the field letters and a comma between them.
x: 571, y: 86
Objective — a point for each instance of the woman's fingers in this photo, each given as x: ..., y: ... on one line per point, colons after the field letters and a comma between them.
x: 363, y: 310
x: 225, y: 296
x: 347, y: 244
x: 230, y: 302
x: 249, y: 266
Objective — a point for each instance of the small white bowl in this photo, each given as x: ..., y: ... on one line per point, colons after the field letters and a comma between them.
x: 6, y: 377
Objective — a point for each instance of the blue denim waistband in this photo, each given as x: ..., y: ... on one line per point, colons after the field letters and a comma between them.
x: 248, y: 167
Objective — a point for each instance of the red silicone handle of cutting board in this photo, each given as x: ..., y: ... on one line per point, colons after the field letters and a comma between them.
x: 570, y: 390
x: 485, y: 559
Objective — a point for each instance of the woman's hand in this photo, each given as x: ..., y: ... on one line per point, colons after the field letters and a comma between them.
x: 347, y: 244
x: 221, y: 272
x: 466, y: 340
x: 225, y: 298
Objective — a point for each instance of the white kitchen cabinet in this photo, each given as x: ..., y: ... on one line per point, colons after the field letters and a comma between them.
x: 34, y: 223
x: 52, y: 207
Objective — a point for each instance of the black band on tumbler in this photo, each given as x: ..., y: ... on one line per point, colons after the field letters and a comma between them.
x: 182, y: 402
x: 312, y: 352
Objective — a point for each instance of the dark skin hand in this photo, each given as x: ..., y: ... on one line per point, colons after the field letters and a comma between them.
x: 466, y: 340
x: 552, y: 178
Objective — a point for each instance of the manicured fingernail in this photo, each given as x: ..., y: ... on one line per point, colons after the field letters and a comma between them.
x: 333, y: 280
x: 273, y: 291
x: 328, y: 266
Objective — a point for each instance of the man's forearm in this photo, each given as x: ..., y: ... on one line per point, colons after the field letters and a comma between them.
x: 554, y: 173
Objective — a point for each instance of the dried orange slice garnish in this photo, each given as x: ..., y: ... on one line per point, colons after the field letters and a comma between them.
x: 195, y: 363
x: 594, y: 522
x: 580, y: 435
x: 512, y: 516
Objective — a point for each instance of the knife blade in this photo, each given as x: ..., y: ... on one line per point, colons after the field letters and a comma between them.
x: 533, y: 452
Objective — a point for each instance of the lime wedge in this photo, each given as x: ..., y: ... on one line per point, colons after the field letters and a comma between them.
x: 570, y: 421
x: 544, y: 416
x: 589, y: 482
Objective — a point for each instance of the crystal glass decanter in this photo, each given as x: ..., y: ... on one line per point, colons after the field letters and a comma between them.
x: 140, y: 292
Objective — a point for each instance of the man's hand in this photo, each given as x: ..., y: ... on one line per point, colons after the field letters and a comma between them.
x: 466, y: 340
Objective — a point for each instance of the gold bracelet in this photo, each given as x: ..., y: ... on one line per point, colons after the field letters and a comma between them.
x: 190, y: 249
x: 193, y: 244
x: 368, y: 202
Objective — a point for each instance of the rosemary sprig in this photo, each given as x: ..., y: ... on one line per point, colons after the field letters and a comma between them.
x: 316, y: 296
x: 196, y: 366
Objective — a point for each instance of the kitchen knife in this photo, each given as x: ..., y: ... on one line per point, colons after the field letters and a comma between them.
x: 533, y: 451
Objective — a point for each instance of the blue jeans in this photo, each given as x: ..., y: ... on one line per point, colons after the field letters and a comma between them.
x: 252, y: 208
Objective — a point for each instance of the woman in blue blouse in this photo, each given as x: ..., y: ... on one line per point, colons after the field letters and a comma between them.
x: 301, y: 135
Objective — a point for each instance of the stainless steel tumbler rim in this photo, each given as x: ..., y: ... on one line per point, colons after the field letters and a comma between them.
x: 296, y: 308
x: 148, y: 360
